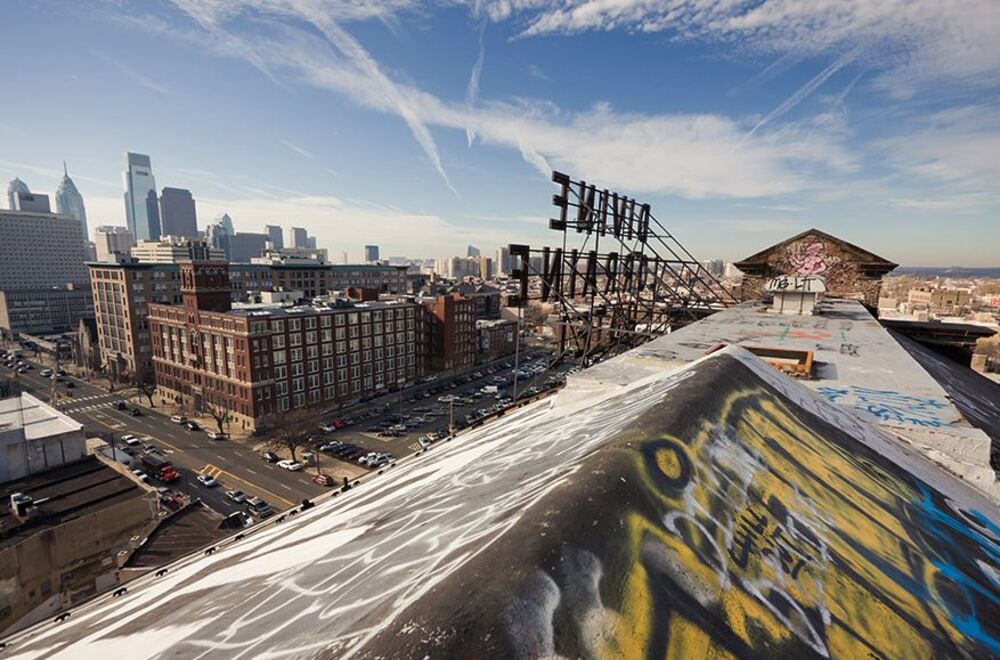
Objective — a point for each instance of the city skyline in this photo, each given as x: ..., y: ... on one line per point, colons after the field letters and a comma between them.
x: 733, y: 147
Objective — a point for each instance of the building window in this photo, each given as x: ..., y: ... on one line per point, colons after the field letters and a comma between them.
x: 298, y: 384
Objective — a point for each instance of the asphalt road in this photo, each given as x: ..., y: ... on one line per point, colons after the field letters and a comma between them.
x: 238, y: 466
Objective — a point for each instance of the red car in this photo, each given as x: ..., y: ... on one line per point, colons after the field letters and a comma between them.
x: 324, y: 480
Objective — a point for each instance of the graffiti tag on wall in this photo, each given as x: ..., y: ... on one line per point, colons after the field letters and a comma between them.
x: 890, y: 406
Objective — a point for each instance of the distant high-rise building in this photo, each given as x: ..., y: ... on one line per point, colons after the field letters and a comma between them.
x: 298, y: 238
x: 371, y: 253
x: 177, y: 213
x: 109, y: 240
x: 472, y: 251
x: 139, y: 183
x: 311, y: 243
x: 175, y: 249
x: 15, y: 186
x: 70, y: 201
x: 244, y: 246
x: 218, y: 237
x: 227, y: 223
x: 344, y: 258
x: 39, y: 250
x: 502, y: 263
x: 274, y: 236
x: 34, y: 202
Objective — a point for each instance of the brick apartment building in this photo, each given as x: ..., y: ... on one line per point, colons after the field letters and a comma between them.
x: 382, y: 278
x: 452, y: 332
x: 496, y: 338
x: 256, y: 362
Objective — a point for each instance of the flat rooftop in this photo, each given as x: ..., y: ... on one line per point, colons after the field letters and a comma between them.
x: 300, y: 310
x: 38, y: 419
x: 62, y: 494
x: 858, y: 364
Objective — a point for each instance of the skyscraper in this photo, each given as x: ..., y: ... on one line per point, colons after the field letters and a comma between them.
x: 472, y: 251
x: 16, y: 186
x: 371, y: 253
x: 177, y: 213
x: 502, y: 262
x: 139, y: 183
x: 298, y: 238
x: 227, y: 223
x: 217, y: 235
x: 70, y: 201
x: 274, y: 235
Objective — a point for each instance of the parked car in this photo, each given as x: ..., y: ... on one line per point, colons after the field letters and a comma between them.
x: 178, y: 419
x: 192, y: 426
x: 70, y: 384
x: 120, y: 405
x: 327, y: 428
x: 207, y: 480
x: 140, y: 475
x: 289, y: 464
x: 45, y: 372
x: 270, y: 457
x: 237, y: 496
x: 131, y: 440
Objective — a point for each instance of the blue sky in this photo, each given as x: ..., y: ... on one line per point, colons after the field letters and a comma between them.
x: 425, y: 126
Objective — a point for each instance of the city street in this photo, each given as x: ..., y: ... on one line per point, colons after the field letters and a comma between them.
x: 236, y: 465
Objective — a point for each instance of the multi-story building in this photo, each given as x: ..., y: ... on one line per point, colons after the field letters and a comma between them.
x: 244, y: 246
x: 311, y: 278
x: 140, y: 186
x: 177, y: 213
x: 371, y: 254
x: 174, y: 249
x: 496, y: 338
x: 249, y: 280
x: 299, y: 238
x: 43, y: 311
x: 383, y: 278
x: 502, y: 262
x: 453, y: 340
x: 69, y: 201
x: 40, y: 250
x: 472, y: 251
x: 256, y: 362
x: 14, y: 187
x: 34, y: 202
x: 274, y: 236
x: 122, y: 292
x: 110, y: 239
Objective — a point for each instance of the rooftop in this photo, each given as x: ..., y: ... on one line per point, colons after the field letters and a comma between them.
x: 61, y: 494
x: 276, y: 310
x: 717, y: 506
x: 38, y: 419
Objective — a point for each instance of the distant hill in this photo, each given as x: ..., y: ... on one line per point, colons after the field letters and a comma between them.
x: 947, y: 271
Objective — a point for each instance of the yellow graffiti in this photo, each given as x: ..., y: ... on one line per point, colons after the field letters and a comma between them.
x: 720, y: 540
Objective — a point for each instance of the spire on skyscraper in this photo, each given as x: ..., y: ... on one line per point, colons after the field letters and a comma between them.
x: 70, y: 201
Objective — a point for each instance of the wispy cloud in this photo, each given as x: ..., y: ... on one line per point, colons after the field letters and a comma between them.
x: 472, y: 88
x: 136, y: 77
x: 297, y: 149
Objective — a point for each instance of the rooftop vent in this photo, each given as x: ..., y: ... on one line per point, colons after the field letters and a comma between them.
x: 795, y: 295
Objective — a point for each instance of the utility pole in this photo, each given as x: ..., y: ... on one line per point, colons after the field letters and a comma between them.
x: 451, y: 415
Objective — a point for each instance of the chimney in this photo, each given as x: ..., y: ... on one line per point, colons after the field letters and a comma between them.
x: 795, y: 295
x: 22, y: 506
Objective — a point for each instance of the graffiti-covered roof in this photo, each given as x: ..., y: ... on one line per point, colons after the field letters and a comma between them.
x: 715, y: 507
x: 861, y: 255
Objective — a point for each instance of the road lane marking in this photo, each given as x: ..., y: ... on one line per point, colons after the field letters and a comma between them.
x: 224, y: 475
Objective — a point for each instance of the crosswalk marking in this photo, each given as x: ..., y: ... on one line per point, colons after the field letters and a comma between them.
x: 414, y: 446
x: 211, y: 470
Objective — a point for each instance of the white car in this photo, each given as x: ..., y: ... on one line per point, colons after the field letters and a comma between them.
x: 45, y: 373
x: 289, y: 464
x: 131, y: 440
x: 207, y: 480
x: 140, y: 475
x: 237, y: 496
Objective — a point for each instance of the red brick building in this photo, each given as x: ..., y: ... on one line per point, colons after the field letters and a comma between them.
x: 496, y: 338
x: 254, y: 362
x: 452, y: 330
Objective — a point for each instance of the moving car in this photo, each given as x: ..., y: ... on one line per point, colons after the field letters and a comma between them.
x: 207, y: 480
x: 324, y: 480
x: 192, y: 426
x: 131, y: 440
x: 135, y: 412
x: 289, y: 464
x: 270, y: 457
x: 178, y: 419
x: 237, y: 496
x: 120, y: 405
x: 258, y: 508
x: 45, y: 373
x: 215, y: 435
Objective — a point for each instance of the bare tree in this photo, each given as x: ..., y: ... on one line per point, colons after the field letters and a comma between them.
x: 289, y: 430
x: 220, y: 414
x: 145, y: 385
